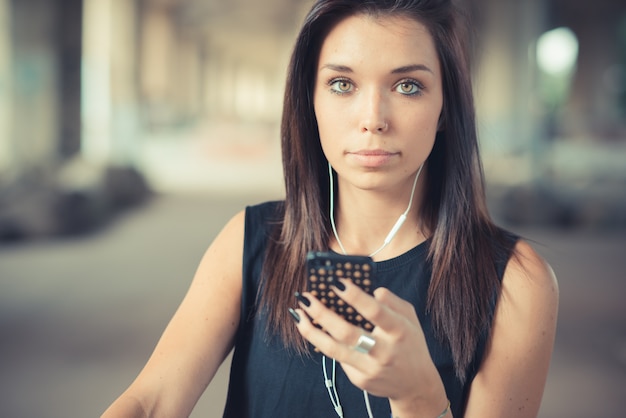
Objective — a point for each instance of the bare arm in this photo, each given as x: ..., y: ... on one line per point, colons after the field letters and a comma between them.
x: 196, y: 340
x: 512, y: 377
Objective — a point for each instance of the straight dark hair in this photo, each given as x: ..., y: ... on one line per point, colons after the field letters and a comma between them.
x: 464, y: 280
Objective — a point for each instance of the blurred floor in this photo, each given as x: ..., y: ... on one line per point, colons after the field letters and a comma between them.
x: 221, y: 158
x: 79, y: 317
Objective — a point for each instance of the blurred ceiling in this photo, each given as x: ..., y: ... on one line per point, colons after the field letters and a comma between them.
x: 258, y: 29
x: 255, y: 28
x: 272, y: 14
x: 238, y: 15
x: 282, y: 17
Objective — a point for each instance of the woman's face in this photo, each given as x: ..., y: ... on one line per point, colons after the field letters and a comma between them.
x: 377, y: 99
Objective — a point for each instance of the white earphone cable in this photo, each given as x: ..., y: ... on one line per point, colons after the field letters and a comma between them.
x: 330, y: 383
x: 394, y: 230
x: 331, y: 388
x: 400, y: 220
x: 332, y: 208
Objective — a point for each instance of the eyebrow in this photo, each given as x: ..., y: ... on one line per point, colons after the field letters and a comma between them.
x: 338, y: 68
x: 411, y: 68
x: 401, y: 70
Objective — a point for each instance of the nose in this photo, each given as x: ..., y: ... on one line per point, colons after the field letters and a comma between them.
x: 374, y: 114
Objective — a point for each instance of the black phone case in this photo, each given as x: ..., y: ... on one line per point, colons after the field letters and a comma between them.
x: 324, y: 269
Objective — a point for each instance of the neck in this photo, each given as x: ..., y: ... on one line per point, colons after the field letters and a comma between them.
x: 373, y: 224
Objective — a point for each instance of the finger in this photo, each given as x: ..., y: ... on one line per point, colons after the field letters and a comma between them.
x: 332, y: 323
x: 367, y: 306
x: 395, y: 303
x: 306, y: 327
x: 388, y: 312
x: 324, y: 342
x: 401, y: 317
x: 348, y: 343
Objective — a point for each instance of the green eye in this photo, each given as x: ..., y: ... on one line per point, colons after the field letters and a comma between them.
x: 408, y: 88
x: 341, y: 86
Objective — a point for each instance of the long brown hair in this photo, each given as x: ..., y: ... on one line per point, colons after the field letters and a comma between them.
x: 464, y: 278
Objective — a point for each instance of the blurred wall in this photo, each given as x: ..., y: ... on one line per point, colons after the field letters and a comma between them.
x: 101, y: 79
x: 149, y: 64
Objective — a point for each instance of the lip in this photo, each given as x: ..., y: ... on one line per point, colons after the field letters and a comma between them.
x: 372, y: 157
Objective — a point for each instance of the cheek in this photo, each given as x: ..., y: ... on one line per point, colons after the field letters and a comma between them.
x: 321, y: 113
x: 323, y: 126
x: 423, y: 123
x: 420, y: 131
x: 330, y: 120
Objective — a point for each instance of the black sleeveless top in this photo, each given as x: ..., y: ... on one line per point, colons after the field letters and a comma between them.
x: 268, y: 380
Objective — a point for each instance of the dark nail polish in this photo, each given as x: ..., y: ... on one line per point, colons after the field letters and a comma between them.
x: 295, y: 315
x: 302, y: 299
x: 339, y: 285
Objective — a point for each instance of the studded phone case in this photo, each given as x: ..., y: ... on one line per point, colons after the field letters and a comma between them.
x: 324, y: 269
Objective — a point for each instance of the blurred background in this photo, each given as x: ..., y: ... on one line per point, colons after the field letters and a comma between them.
x: 132, y: 130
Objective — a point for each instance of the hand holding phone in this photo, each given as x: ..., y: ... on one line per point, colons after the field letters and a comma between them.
x: 324, y: 269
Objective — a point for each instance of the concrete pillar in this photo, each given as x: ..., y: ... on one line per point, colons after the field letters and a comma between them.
x: 210, y: 88
x: 185, y: 79
x: 156, y: 45
x: 125, y: 119
x: 506, y: 72
x: 69, y: 22
x: 593, y: 111
x: 6, y: 92
x: 110, y: 123
x: 39, y: 82
x: 35, y: 115
x: 227, y: 80
x: 507, y: 107
x: 96, y: 74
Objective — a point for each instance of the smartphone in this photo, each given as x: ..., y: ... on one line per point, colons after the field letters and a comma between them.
x: 325, y: 268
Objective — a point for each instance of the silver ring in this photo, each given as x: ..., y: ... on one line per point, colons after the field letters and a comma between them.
x: 365, y: 344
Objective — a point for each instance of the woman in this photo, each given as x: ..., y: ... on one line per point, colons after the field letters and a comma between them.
x: 378, y: 123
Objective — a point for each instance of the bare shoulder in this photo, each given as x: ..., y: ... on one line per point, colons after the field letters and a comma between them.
x: 512, y: 376
x: 527, y: 271
x: 528, y: 301
x: 226, y: 251
x: 219, y: 271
